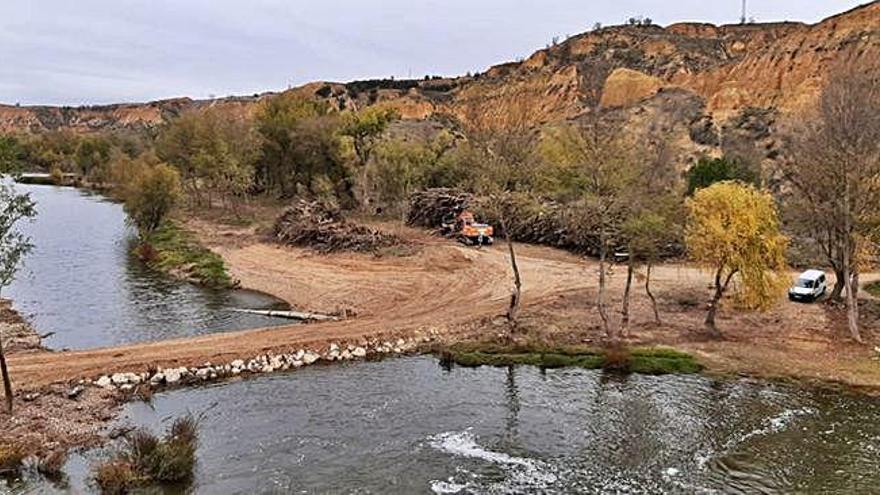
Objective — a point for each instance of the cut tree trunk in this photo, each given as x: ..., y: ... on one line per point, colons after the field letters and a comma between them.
x: 600, y: 301
x: 7, y: 383
x: 720, y: 287
x: 651, y: 295
x: 624, y: 320
x: 837, y: 291
x: 516, y: 295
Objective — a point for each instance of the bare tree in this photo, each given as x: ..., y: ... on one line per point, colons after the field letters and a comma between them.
x: 505, y: 149
x: 13, y: 247
x: 606, y: 166
x: 835, y: 174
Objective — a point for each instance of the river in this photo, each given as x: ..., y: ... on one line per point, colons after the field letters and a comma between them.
x: 408, y: 425
x: 82, y: 284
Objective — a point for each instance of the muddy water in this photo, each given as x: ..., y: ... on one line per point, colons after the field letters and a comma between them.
x: 82, y: 283
x: 409, y: 426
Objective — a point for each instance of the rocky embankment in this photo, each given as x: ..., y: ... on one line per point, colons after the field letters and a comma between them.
x: 17, y: 334
x: 261, y: 364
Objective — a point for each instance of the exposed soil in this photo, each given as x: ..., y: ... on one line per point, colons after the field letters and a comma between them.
x: 17, y: 334
x: 459, y: 290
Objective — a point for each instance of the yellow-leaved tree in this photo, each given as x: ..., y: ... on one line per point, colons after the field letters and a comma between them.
x: 733, y: 229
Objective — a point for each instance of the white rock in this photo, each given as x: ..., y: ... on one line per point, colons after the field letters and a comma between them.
x: 126, y: 386
x: 268, y: 369
x: 157, y: 378
x: 104, y: 382
x: 297, y: 364
x: 334, y: 347
x: 203, y: 373
x: 345, y: 355
x: 172, y: 375
x: 310, y: 357
x: 119, y: 378
x: 359, y: 352
x: 276, y: 361
x: 236, y: 371
x: 400, y: 342
x: 238, y: 363
x: 299, y: 355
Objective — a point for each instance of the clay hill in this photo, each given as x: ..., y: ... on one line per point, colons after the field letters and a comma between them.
x: 710, y: 86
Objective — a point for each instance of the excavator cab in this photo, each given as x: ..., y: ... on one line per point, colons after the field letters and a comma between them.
x: 469, y: 231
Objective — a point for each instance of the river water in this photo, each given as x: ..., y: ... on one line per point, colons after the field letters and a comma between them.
x: 408, y: 425
x: 82, y: 283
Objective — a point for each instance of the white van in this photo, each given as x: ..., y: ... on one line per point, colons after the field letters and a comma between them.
x: 810, y: 285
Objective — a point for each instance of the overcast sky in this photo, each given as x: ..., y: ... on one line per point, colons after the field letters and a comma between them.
x: 71, y: 52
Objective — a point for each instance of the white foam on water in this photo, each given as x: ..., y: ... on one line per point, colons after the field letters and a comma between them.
x: 521, y: 471
x: 776, y: 424
x: 444, y: 487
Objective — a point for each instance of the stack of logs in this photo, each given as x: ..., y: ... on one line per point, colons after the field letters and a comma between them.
x: 320, y: 225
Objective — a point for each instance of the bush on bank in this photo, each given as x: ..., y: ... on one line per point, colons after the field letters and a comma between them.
x: 172, y: 250
x: 146, y: 459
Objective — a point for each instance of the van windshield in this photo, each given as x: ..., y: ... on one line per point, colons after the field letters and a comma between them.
x: 805, y: 283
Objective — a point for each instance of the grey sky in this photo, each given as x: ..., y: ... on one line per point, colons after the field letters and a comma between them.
x: 100, y: 51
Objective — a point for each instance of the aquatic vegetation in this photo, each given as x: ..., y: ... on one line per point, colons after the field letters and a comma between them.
x: 172, y: 250
x: 645, y: 360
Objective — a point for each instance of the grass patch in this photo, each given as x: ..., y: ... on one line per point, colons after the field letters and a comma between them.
x: 651, y: 361
x: 146, y: 459
x: 873, y: 288
x: 174, y: 251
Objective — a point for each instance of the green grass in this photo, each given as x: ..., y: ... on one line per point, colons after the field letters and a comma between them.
x: 172, y: 250
x: 873, y: 288
x: 644, y: 360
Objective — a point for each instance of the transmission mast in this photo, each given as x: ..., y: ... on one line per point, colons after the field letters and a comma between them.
x: 744, y: 17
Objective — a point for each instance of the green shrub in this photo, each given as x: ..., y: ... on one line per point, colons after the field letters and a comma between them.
x: 146, y: 459
x: 708, y: 171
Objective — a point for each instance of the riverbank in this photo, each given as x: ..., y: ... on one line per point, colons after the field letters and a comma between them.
x: 174, y: 251
x: 447, y: 294
x: 16, y: 332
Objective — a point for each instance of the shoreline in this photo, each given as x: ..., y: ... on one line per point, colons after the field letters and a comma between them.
x: 17, y: 333
x: 84, y: 391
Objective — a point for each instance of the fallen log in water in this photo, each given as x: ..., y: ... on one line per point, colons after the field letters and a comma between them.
x: 290, y: 315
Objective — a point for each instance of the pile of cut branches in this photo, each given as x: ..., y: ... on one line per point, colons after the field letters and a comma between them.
x: 429, y: 208
x: 321, y: 226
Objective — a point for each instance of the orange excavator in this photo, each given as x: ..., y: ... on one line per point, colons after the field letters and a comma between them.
x: 466, y: 229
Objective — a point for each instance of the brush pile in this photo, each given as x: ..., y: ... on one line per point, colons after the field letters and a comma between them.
x: 528, y: 218
x: 429, y: 208
x: 321, y: 226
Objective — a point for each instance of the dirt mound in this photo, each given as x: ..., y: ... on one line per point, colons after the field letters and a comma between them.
x: 321, y: 226
x: 430, y: 207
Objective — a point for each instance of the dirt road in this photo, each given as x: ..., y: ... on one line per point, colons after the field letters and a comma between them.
x: 442, y: 285
x: 445, y: 286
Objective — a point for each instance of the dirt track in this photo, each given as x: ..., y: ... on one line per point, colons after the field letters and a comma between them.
x: 442, y: 285
x: 445, y: 286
